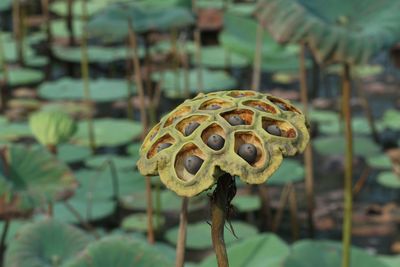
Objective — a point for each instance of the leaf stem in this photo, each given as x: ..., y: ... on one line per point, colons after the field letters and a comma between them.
x: 180, y: 246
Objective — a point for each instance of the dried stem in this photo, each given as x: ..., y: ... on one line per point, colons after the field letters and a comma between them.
x: 282, y: 203
x: 199, y: 67
x: 149, y: 211
x: 69, y: 22
x: 180, y: 246
x: 308, y: 154
x: 255, y: 84
x: 265, y: 208
x: 293, y: 213
x: 348, y: 176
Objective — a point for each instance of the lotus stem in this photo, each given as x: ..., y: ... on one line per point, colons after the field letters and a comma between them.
x: 69, y: 22
x: 149, y: 211
x: 85, y: 74
x: 47, y: 19
x: 81, y: 220
x: 129, y: 105
x: 282, y: 203
x: 308, y: 153
x: 265, y: 206
x: 52, y: 149
x: 361, y: 181
x: 293, y: 213
x: 3, y: 239
x: 255, y: 84
x: 181, y: 244
x: 348, y: 176
x: 220, y: 203
x: 18, y: 29
x: 199, y: 67
x: 138, y: 77
x: 4, y: 70
x: 367, y: 111
x: 175, y: 61
x: 315, y: 78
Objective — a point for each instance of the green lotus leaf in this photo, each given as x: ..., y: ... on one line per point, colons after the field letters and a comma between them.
x: 14, y: 131
x: 240, y: 34
x: 98, y: 185
x: 3, y: 120
x: 199, y: 236
x: 120, y: 251
x: 24, y: 104
x: 31, y: 177
x: 360, y: 71
x: 360, y: 126
x: 380, y: 161
x: 75, y: 109
x: 391, y: 119
x: 45, y: 243
x: 290, y: 171
x: 10, y: 48
x: 246, y: 203
x: 96, y: 54
x: 138, y: 222
x: 36, y: 61
x: 169, y: 201
x: 210, y: 4
x: 218, y: 57
x: 52, y: 127
x: 108, y: 132
x: 13, y: 228
x: 69, y: 153
x: 111, y: 24
x: 89, y: 211
x: 336, y: 31
x: 263, y: 250
x: 133, y: 150
x: 389, y: 179
x: 242, y: 9
x: 323, y: 116
x: 327, y: 254
x: 391, y: 261
x: 335, y: 145
x: 61, y: 7
x: 101, y: 90
x: 173, y: 83
x: 59, y: 28
x: 22, y: 76
x: 5, y: 5
x: 120, y: 162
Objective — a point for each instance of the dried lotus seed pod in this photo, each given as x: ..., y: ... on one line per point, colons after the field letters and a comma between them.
x: 268, y: 126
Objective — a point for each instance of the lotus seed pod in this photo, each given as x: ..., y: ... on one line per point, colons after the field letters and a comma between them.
x: 216, y: 142
x: 248, y: 152
x: 193, y: 162
x: 52, y: 127
x: 191, y: 127
x: 163, y: 146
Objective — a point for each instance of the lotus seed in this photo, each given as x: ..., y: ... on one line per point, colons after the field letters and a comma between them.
x: 193, y: 163
x: 274, y: 130
x: 248, y: 152
x: 163, y: 146
x: 191, y: 127
x: 215, y: 142
x: 236, y: 120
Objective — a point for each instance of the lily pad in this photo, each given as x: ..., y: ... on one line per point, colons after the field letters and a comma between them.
x: 101, y: 90
x: 391, y: 261
x: 389, y: 179
x: 22, y: 76
x: 290, y: 171
x: 391, y: 119
x: 121, y: 251
x: 61, y: 7
x: 59, y: 28
x: 263, y: 250
x: 242, y: 9
x: 72, y: 153
x: 5, y: 5
x: 89, y: 211
x: 335, y: 145
x: 199, y: 234
x: 133, y: 150
x: 14, y: 131
x: 13, y: 228
x: 218, y: 57
x: 120, y: 162
x: 381, y: 161
x: 108, y: 132
x: 45, y: 243
x: 138, y: 222
x: 327, y: 254
x: 34, y: 178
x: 212, y: 81
x: 246, y: 203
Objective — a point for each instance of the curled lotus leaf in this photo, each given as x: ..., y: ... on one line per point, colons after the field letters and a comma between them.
x: 349, y: 31
x: 52, y: 127
x: 30, y: 178
x: 271, y: 126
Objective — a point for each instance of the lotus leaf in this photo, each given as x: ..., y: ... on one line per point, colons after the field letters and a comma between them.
x: 106, y: 133
x: 22, y: 76
x: 45, y: 243
x: 334, y: 145
x: 96, y: 54
x: 218, y: 57
x: 133, y: 150
x: 13, y: 229
x: 59, y: 28
x: 262, y: 250
x: 336, y: 31
x: 389, y: 179
x: 138, y: 222
x: 101, y: 90
x: 391, y: 119
x: 391, y: 261
x: 246, y: 203
x: 14, y: 131
x: 111, y: 24
x: 52, y: 127
x: 307, y: 253
x: 256, y: 114
x: 5, y: 5
x: 240, y: 34
x: 69, y: 153
x: 120, y: 162
x: 199, y: 236
x: 290, y: 171
x: 173, y: 83
x: 120, y: 251
x: 380, y: 161
x: 61, y: 7
x: 90, y: 211
x: 242, y: 9
x: 10, y: 48
x: 31, y: 177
